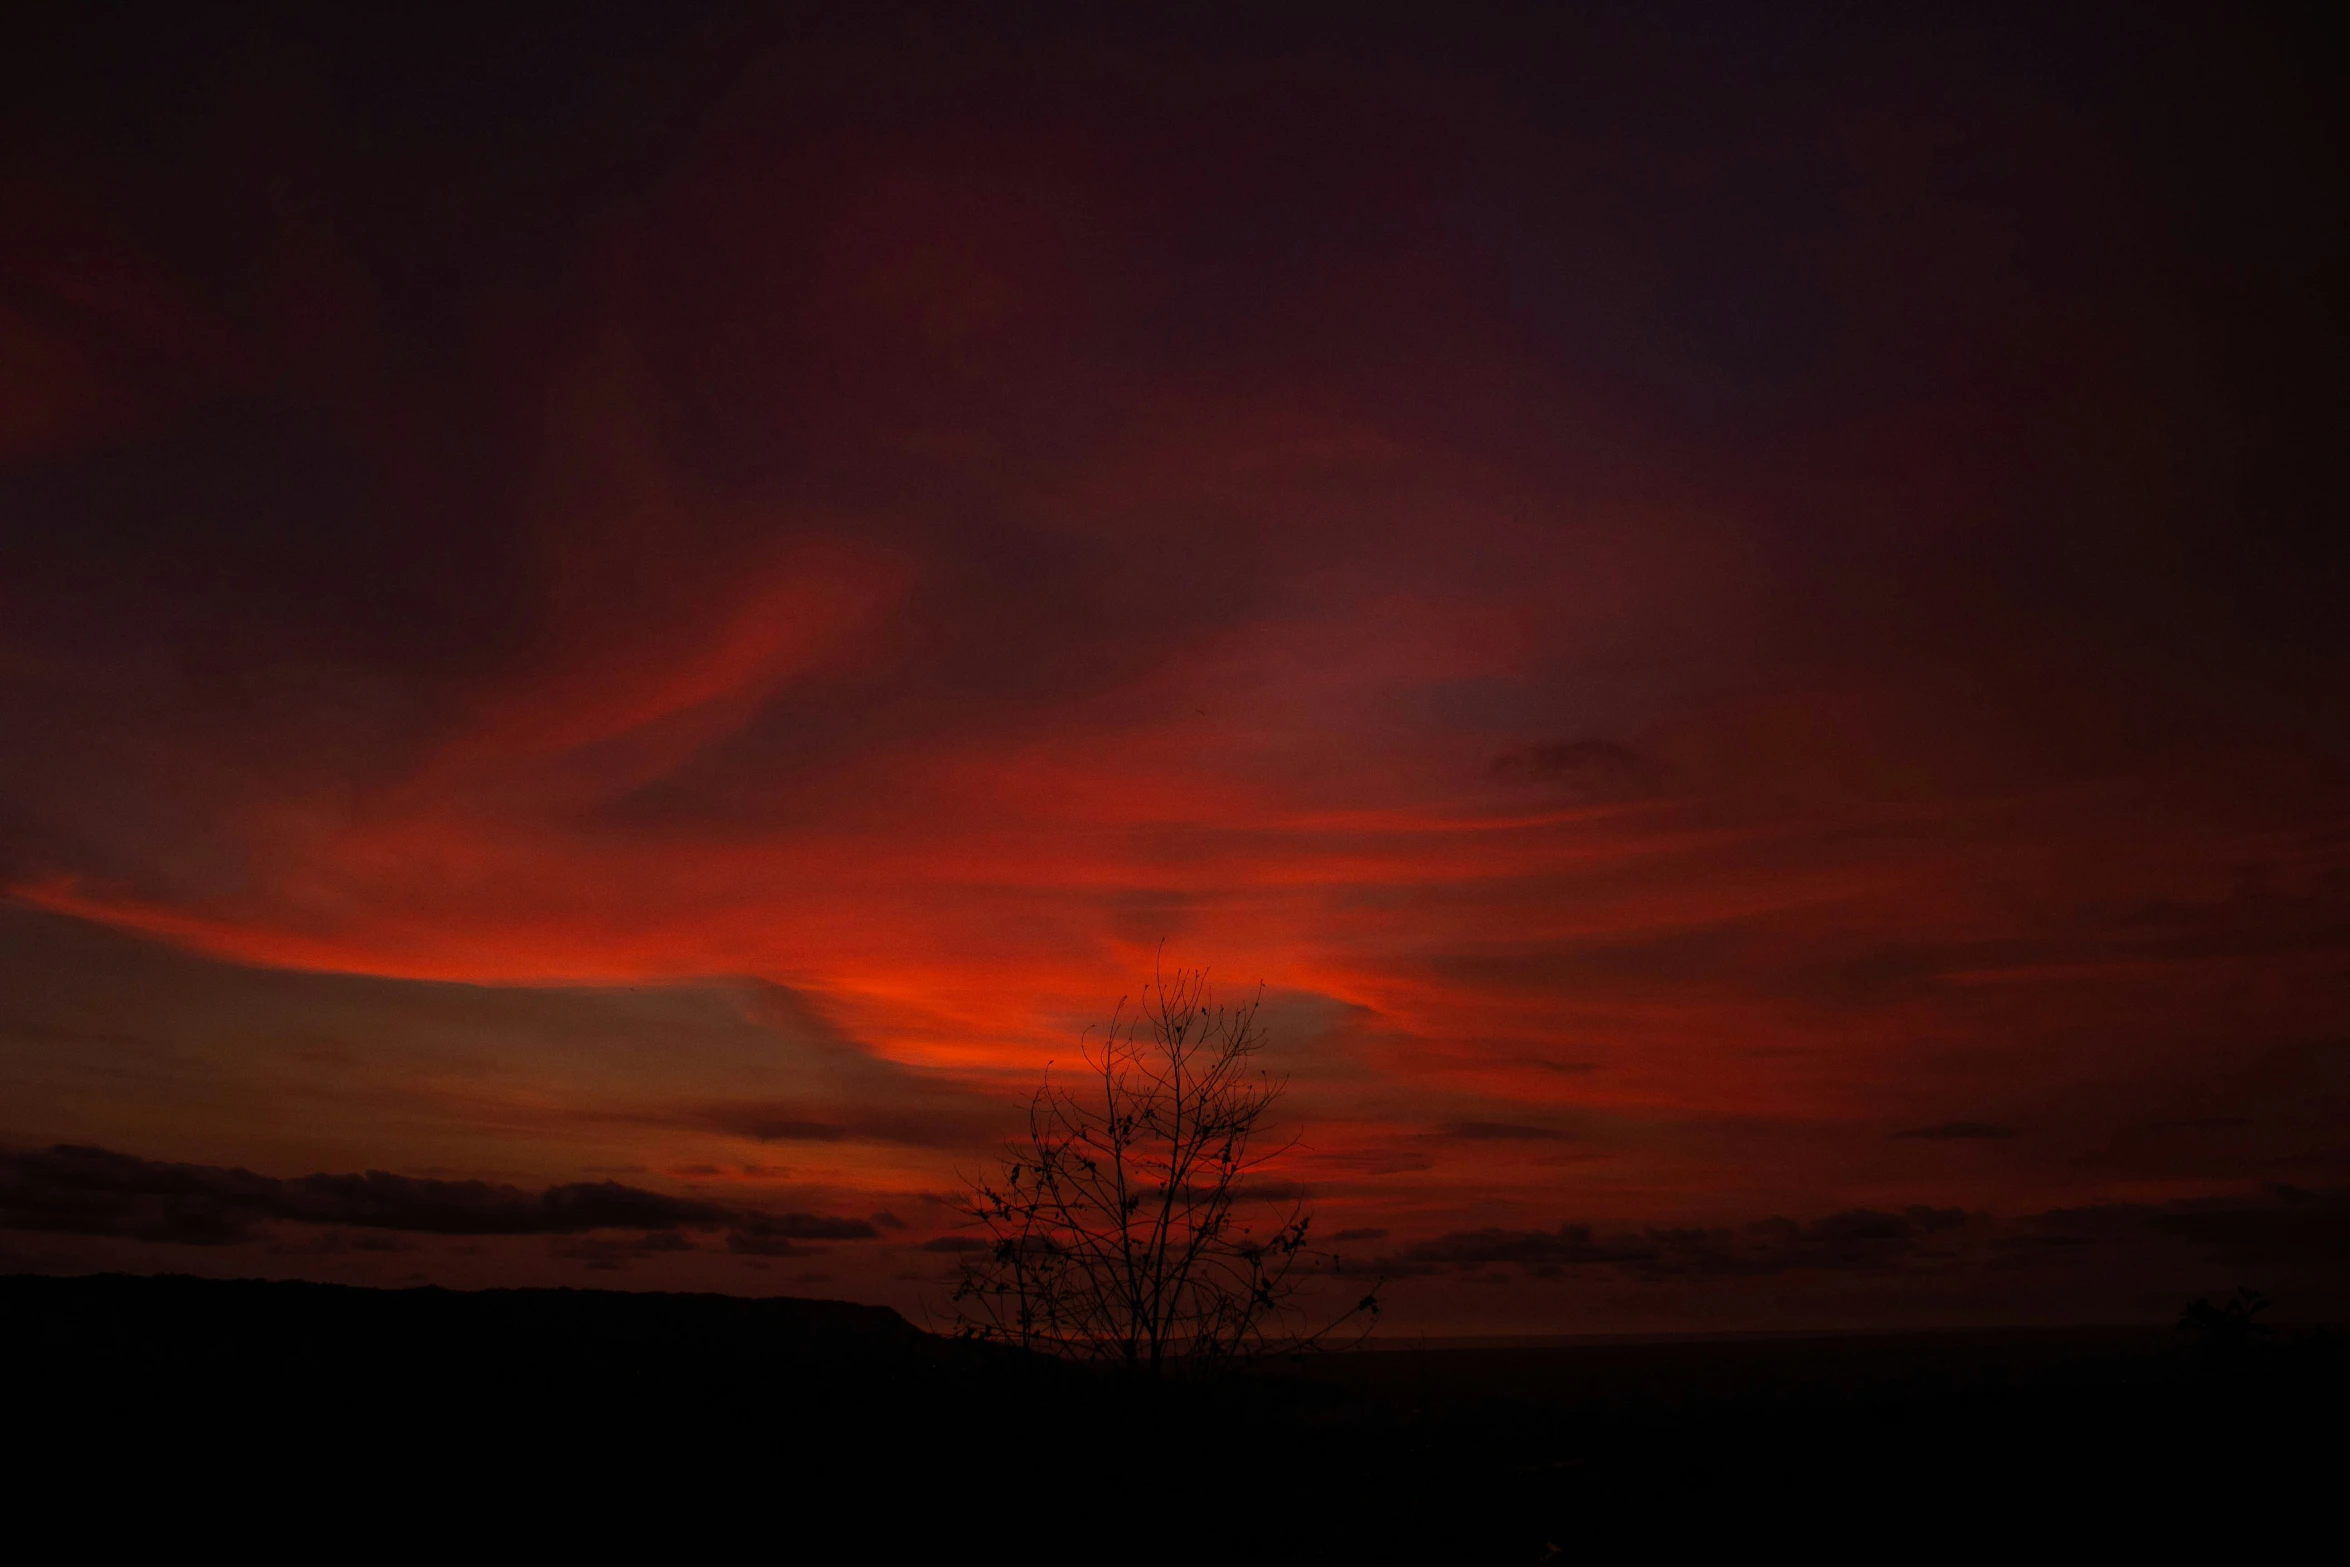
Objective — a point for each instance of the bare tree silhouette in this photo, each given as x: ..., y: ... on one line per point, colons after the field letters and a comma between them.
x: 1118, y: 1230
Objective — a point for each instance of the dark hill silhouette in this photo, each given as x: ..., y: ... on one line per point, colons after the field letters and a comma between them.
x: 601, y: 1414
x: 330, y: 1417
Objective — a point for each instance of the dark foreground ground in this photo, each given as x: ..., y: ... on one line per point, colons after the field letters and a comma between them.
x: 320, y: 1418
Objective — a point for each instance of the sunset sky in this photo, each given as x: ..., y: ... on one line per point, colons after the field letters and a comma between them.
x: 1739, y: 612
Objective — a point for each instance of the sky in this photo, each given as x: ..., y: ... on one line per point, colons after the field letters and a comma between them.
x: 616, y: 626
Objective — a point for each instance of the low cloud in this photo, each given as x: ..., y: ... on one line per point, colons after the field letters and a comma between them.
x: 73, y: 1190
x: 607, y: 1253
x: 2278, y: 1227
x: 334, y: 1243
x: 755, y: 1243
x: 770, y: 1235
x: 1860, y: 1240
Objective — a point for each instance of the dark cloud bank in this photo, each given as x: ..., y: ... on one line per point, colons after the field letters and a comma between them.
x: 1860, y: 1240
x: 70, y: 1190
x: 92, y: 1191
x: 2279, y: 1226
